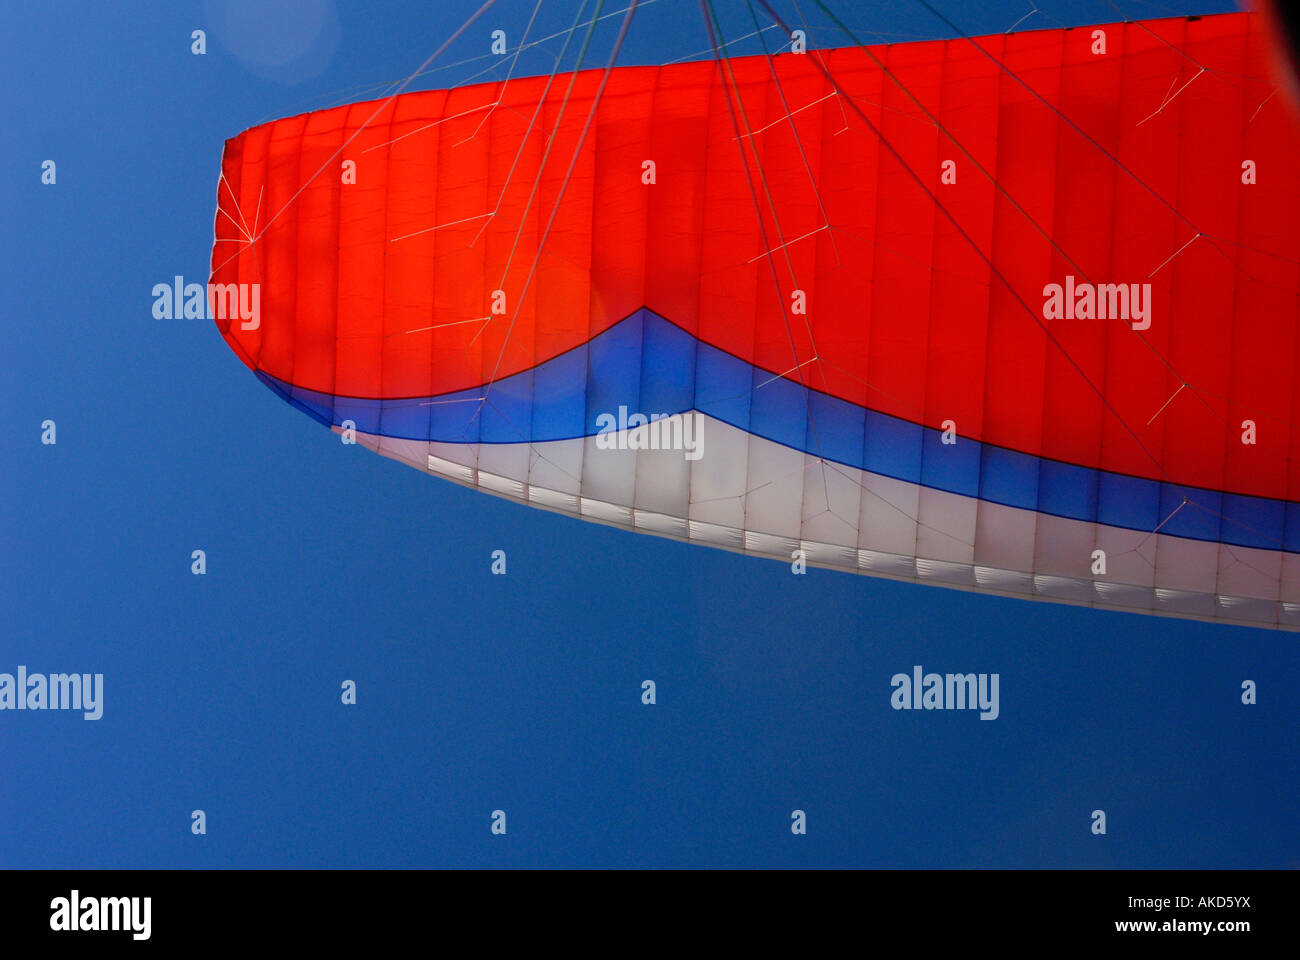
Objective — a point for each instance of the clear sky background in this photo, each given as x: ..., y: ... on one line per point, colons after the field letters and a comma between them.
x: 327, y: 562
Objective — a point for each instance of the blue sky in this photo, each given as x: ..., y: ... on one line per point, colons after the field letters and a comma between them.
x: 521, y: 693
